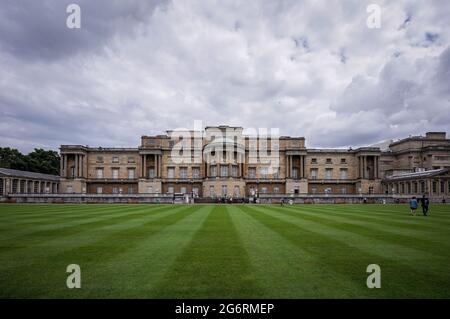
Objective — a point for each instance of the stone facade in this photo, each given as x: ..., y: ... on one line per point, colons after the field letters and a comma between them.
x: 223, y: 161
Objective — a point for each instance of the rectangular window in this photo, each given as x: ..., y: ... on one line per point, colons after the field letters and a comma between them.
x: 329, y: 161
x: 237, y: 191
x: 212, y: 193
x: 150, y: 189
x: 276, y: 190
x: 344, y: 173
x: 183, y: 190
x: 99, y: 190
x: 115, y: 190
x: 183, y: 172
x: 170, y: 189
x: 115, y: 159
x: 99, y: 159
x: 264, y: 172
x: 131, y: 173
x: 224, y: 190
x: 314, y: 190
x: 131, y: 159
x: 344, y: 190
x: 130, y: 190
x: 263, y: 190
x: 69, y: 189
x: 234, y: 171
x: 276, y: 173
x: 328, y: 173
x: 313, y: 172
x: 224, y: 171
x: 343, y: 161
x: 195, y: 172
x: 151, y: 172
x: 294, y: 173
x: 115, y: 173
x: 195, y: 191
x: 213, y: 170
x: 313, y: 160
x: 170, y: 172
x: 252, y: 172
x: 99, y: 172
x: 434, y: 187
x: 442, y: 187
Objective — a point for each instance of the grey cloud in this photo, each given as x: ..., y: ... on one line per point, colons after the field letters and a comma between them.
x: 140, y: 67
x: 37, y: 29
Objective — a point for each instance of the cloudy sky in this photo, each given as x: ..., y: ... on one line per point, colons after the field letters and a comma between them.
x: 309, y: 68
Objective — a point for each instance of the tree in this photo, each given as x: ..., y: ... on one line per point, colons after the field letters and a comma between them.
x: 40, y: 161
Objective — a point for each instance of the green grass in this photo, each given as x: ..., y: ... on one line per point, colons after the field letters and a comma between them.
x: 223, y: 251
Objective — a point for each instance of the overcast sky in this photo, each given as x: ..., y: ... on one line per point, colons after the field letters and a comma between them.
x: 309, y: 68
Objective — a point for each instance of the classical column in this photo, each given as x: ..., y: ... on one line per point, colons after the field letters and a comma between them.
x: 75, y: 166
x: 301, y: 167
x: 61, y: 166
x: 145, y: 165
x: 65, y: 166
x: 360, y: 166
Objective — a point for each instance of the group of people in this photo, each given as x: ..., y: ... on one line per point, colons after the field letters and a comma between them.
x: 414, y: 204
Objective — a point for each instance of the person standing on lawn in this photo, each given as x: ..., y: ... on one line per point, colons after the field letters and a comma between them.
x: 425, y: 203
x: 413, y: 205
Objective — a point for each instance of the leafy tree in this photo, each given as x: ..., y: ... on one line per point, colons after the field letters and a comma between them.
x: 40, y: 161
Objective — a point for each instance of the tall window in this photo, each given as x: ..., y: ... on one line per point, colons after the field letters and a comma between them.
x: 344, y: 173
x: 294, y: 173
x: 115, y: 190
x: 224, y: 190
x: 170, y: 189
x: 276, y: 173
x: 195, y: 172
x: 171, y: 172
x: 115, y: 173
x: 99, y: 190
x: 131, y: 173
x: 313, y: 173
x: 264, y: 172
x: 99, y: 173
x: 130, y: 190
x: 329, y: 173
x: 183, y: 172
x: 151, y: 172
x: 344, y: 190
x: 211, y: 191
x: 213, y: 171
x: 224, y: 171
x: 252, y: 172
x: 237, y: 191
x: 234, y: 171
x: 195, y: 191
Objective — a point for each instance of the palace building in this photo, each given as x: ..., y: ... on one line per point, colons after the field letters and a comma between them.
x: 223, y: 161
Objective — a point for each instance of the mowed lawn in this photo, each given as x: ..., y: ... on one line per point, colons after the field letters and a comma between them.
x: 223, y: 251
